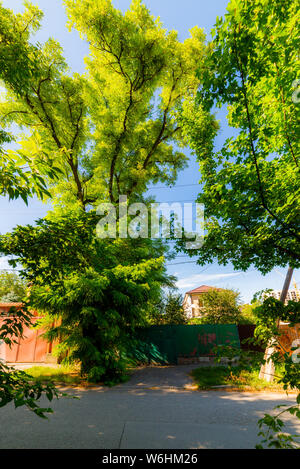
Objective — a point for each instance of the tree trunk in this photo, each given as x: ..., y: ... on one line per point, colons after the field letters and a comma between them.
x: 267, y: 370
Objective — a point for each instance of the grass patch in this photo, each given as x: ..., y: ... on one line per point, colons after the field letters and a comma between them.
x: 235, y: 378
x: 61, y: 374
x: 67, y: 375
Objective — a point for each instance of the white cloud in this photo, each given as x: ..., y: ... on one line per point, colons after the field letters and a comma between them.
x: 4, y: 264
x: 195, y: 280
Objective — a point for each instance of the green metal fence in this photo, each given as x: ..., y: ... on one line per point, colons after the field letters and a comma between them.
x: 167, y: 344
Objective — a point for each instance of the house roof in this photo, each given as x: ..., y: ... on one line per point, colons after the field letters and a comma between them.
x: 203, y: 289
x: 5, y: 305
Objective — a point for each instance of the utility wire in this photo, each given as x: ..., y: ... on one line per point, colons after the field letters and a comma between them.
x: 185, y: 262
x: 172, y: 187
x: 168, y: 263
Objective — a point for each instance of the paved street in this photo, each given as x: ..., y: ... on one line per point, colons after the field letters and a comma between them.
x: 156, y: 409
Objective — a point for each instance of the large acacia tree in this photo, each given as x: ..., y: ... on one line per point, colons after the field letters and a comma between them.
x: 251, y: 187
x: 110, y: 132
x: 20, y: 176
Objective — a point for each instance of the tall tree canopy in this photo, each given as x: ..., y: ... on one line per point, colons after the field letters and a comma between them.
x: 112, y: 130
x: 251, y: 187
x: 220, y: 307
x: 168, y: 310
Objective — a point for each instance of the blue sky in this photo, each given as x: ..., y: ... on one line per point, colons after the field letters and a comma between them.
x: 181, y: 16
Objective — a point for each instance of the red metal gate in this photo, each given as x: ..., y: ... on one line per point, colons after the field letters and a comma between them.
x: 32, y: 348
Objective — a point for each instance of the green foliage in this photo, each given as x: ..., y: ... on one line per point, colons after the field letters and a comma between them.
x: 113, y: 130
x: 12, y: 287
x: 237, y: 377
x: 273, y: 435
x: 98, y: 288
x: 21, y: 175
x: 195, y: 321
x: 220, y: 307
x: 18, y: 61
x: 247, y: 315
x: 269, y: 313
x: 109, y: 132
x: 251, y: 190
x: 15, y: 385
x: 168, y: 310
x: 174, y: 312
x: 143, y: 352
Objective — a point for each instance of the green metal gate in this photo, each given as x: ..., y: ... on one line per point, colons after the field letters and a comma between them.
x: 167, y: 344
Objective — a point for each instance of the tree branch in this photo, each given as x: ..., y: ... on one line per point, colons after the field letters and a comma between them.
x: 252, y: 148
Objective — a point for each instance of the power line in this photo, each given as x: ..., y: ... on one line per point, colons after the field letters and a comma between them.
x: 175, y: 201
x: 172, y: 187
x: 176, y: 263
x: 168, y: 263
x: 185, y: 262
x: 182, y: 255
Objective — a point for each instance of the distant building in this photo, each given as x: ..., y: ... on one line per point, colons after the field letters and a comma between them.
x: 192, y: 303
x: 293, y: 295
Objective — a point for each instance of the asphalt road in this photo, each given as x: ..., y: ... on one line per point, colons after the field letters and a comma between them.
x: 156, y: 409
